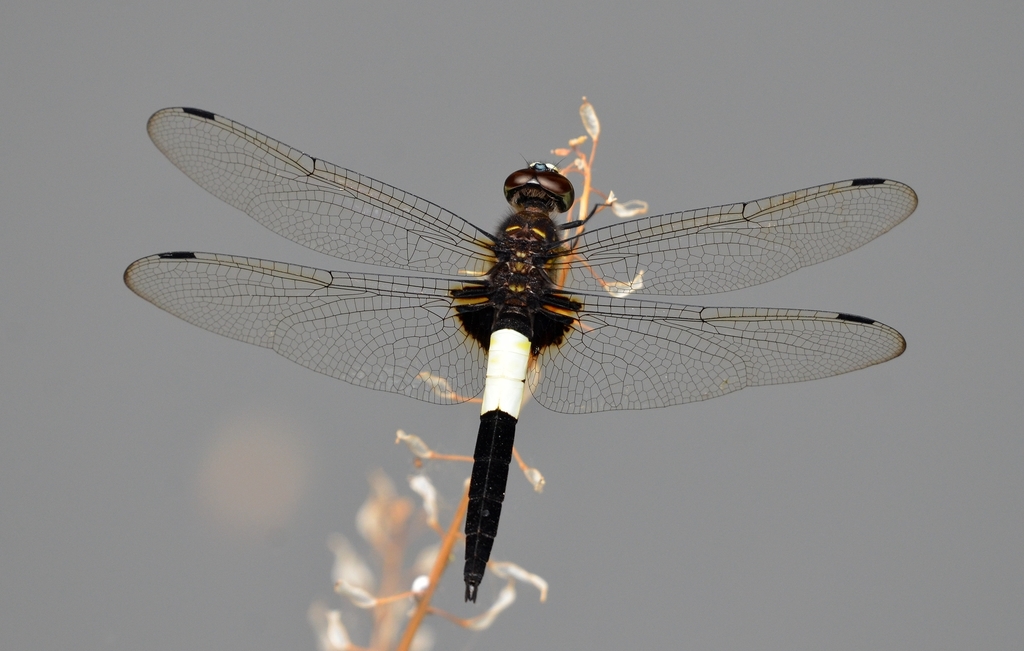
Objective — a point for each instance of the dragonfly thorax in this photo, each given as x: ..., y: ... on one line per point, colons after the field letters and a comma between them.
x: 517, y: 292
x: 528, y: 229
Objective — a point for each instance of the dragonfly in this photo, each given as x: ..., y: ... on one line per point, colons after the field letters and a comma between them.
x: 535, y: 308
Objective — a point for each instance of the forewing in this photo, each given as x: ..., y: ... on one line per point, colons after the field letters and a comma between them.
x: 386, y: 333
x: 738, y: 245
x: 327, y: 208
x: 633, y: 354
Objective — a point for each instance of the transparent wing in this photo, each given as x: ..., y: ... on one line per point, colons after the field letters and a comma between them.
x: 312, y: 202
x: 632, y: 354
x: 728, y: 247
x: 386, y: 333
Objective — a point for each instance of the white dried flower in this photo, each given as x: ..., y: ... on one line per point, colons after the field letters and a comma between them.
x: 330, y: 632
x: 422, y: 486
x: 360, y: 598
x: 415, y: 444
x: 507, y: 570
x: 349, y: 566
x: 420, y: 585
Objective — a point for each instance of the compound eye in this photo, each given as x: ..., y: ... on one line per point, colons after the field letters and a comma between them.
x: 518, y: 179
x: 548, y: 178
x: 559, y: 186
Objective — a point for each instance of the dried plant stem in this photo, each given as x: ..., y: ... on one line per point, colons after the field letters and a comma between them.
x: 438, y: 456
x: 387, y: 616
x: 435, y: 572
x: 584, y: 206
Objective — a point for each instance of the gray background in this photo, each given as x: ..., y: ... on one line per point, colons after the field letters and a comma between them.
x: 877, y: 510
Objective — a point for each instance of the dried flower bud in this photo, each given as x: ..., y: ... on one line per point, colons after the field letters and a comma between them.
x: 630, y: 208
x: 378, y: 516
x: 621, y: 290
x: 507, y: 570
x: 414, y: 443
x: 330, y: 632
x: 349, y: 566
x: 422, y: 486
x: 535, y: 478
x: 439, y: 386
x: 360, y: 598
x: 420, y: 585
x: 589, y: 117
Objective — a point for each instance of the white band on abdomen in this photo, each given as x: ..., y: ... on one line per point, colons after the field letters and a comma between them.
x: 507, y: 359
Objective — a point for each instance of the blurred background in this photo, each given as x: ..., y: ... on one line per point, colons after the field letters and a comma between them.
x: 165, y: 488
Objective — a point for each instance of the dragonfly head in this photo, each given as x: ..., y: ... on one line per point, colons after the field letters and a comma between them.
x: 539, y: 185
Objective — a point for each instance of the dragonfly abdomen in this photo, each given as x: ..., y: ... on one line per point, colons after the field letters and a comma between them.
x: 507, y: 360
x: 486, y: 493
